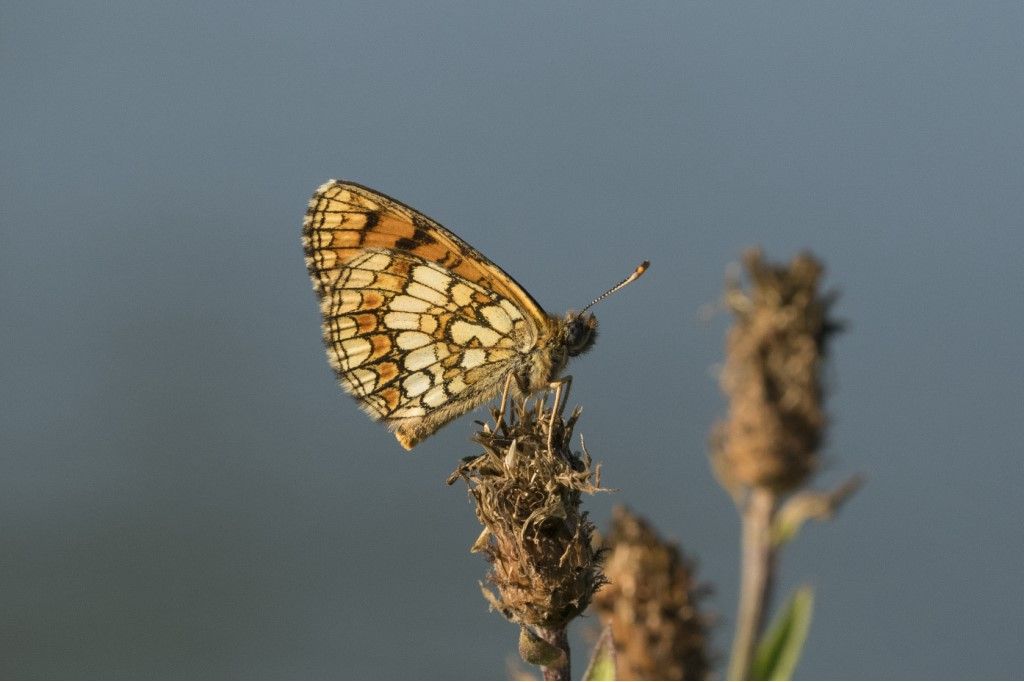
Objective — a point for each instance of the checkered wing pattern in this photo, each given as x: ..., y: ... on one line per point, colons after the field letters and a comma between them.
x: 419, y: 326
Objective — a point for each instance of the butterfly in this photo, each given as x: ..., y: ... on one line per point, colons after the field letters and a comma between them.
x: 419, y: 326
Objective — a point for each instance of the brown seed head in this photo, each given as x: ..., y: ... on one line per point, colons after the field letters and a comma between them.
x: 651, y: 602
x: 535, y: 535
x: 772, y: 376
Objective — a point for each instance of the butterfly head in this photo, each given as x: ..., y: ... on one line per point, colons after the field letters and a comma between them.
x: 580, y: 332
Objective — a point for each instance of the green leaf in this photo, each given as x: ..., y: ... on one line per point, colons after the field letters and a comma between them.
x: 602, y: 661
x: 780, y: 648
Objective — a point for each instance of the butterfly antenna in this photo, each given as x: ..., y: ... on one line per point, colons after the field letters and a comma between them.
x: 640, y: 269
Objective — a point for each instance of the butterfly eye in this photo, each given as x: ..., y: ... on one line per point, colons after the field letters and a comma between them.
x: 580, y: 334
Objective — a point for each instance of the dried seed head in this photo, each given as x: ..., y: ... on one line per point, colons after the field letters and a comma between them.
x: 535, y: 535
x: 772, y: 376
x: 651, y: 603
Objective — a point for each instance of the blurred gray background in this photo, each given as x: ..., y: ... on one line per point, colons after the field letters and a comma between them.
x: 184, y: 490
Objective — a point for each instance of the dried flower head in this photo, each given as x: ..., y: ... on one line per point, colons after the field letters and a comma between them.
x: 772, y: 376
x: 535, y: 536
x: 651, y: 603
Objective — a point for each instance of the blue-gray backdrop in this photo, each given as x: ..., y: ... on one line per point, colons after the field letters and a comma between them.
x: 184, y: 491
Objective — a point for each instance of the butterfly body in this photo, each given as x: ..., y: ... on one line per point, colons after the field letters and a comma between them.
x: 419, y: 326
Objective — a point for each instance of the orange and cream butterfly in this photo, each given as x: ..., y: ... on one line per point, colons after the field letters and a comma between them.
x: 419, y: 326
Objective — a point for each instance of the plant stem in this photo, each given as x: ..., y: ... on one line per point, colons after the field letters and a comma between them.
x: 756, y: 580
x: 556, y: 637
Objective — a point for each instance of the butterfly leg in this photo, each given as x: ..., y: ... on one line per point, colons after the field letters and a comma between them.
x: 561, y: 388
x: 504, y: 402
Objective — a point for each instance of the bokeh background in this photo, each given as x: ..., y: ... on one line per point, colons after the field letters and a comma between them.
x: 185, y: 492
